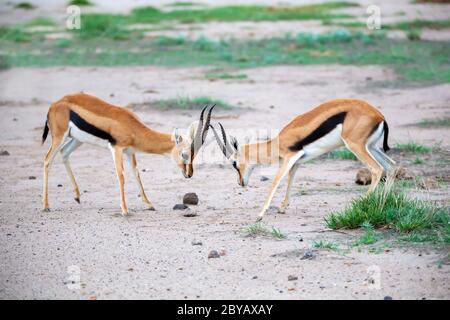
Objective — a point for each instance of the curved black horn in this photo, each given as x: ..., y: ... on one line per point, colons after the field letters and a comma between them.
x: 225, y: 140
x: 206, y: 127
x: 224, y: 149
x: 196, y: 142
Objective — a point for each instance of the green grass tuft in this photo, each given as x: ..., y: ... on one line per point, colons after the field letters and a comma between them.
x: 225, y: 76
x: 40, y: 21
x: 389, y: 207
x: 276, y: 233
x: 80, y: 3
x: 413, y: 147
x: 343, y: 154
x: 369, y: 237
x: 187, y: 103
x: 429, y: 123
x: 325, y: 244
x: 24, y: 5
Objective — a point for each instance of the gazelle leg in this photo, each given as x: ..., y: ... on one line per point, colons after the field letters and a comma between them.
x: 286, y: 166
x: 133, y: 164
x: 68, y: 148
x: 118, y: 161
x: 291, y: 176
x: 362, y: 153
x: 57, y: 144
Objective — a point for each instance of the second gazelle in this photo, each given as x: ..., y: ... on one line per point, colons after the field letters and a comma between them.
x: 353, y: 123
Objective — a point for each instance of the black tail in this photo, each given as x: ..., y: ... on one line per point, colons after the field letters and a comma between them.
x: 45, y: 134
x: 386, y: 136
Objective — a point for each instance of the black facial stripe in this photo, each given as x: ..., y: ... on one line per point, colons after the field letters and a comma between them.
x: 326, y: 127
x: 89, y: 128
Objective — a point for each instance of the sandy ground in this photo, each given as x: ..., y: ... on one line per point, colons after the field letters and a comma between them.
x: 89, y: 251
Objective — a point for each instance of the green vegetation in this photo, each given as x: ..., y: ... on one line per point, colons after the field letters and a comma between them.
x: 389, y: 207
x: 325, y: 244
x: 343, y: 154
x: 405, y: 25
x: 413, y: 60
x: 418, y: 161
x: 413, y: 147
x: 188, y: 103
x: 24, y: 5
x: 80, y: 2
x: 413, y: 34
x: 428, y: 123
x: 369, y: 237
x: 225, y: 76
x: 41, y: 21
x: 258, y: 229
x: 184, y: 4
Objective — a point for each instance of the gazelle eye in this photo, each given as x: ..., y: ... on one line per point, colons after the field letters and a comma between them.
x: 185, y: 156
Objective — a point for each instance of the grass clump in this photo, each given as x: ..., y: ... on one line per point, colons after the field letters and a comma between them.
x: 389, y: 207
x: 40, y: 21
x: 277, y: 234
x: 325, y: 244
x: 14, y: 34
x: 225, y: 76
x: 258, y: 229
x: 413, y: 147
x: 429, y: 123
x: 188, y: 103
x: 369, y: 237
x: 24, y: 5
x: 343, y: 154
x: 80, y: 3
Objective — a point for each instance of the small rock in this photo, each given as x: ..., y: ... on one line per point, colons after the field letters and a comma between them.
x: 32, y: 178
x: 180, y: 207
x: 264, y: 178
x: 190, y: 198
x: 196, y: 243
x: 292, y: 278
x: 255, y: 277
x: 189, y: 214
x: 222, y: 253
x: 271, y: 107
x: 403, y: 174
x: 363, y: 177
x: 60, y: 185
x: 429, y: 183
x: 387, y: 298
x: 213, y: 254
x: 307, y: 255
x: 4, y: 153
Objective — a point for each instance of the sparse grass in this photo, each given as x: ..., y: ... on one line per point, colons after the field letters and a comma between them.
x: 418, y: 161
x: 276, y: 233
x: 326, y: 244
x: 225, y: 76
x: 184, y: 4
x: 429, y: 123
x: 413, y: 147
x: 369, y: 237
x: 258, y: 229
x: 40, y: 21
x: 80, y: 3
x: 389, y: 207
x: 413, y: 34
x: 343, y: 154
x: 14, y: 34
x: 24, y: 5
x: 188, y: 103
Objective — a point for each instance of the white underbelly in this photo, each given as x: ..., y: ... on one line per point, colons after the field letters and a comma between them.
x: 327, y: 143
x: 85, y: 137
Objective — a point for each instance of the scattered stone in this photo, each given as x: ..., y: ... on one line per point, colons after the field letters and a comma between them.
x: 189, y: 214
x: 60, y: 185
x: 180, y: 207
x: 255, y: 277
x: 363, y: 177
x: 308, y: 255
x: 222, y: 252
x: 4, y: 153
x: 322, y: 286
x: 429, y: 183
x: 196, y: 243
x: 403, y: 174
x: 264, y: 178
x: 213, y: 254
x: 387, y: 298
x: 292, y: 278
x: 32, y: 178
x: 190, y: 198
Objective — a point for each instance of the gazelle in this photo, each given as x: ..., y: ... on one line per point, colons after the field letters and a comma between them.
x: 82, y: 118
x: 353, y: 123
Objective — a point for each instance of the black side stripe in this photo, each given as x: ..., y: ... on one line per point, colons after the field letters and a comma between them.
x: 89, y: 128
x: 326, y: 127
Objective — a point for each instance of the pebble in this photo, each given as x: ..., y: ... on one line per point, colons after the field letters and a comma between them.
x: 292, y: 278
x: 213, y: 254
x: 180, y: 207
x: 264, y: 178
x: 190, y: 198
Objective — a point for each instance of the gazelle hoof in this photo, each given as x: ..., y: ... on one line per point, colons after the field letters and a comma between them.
x: 77, y: 200
x: 282, y: 210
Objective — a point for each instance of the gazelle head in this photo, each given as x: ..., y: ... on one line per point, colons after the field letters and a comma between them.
x: 188, y: 145
x: 236, y: 154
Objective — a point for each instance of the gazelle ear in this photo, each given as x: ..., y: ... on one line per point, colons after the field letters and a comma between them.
x: 192, y: 130
x: 177, y: 136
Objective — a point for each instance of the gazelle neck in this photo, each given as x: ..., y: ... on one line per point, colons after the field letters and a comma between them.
x: 265, y: 152
x: 152, y: 141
